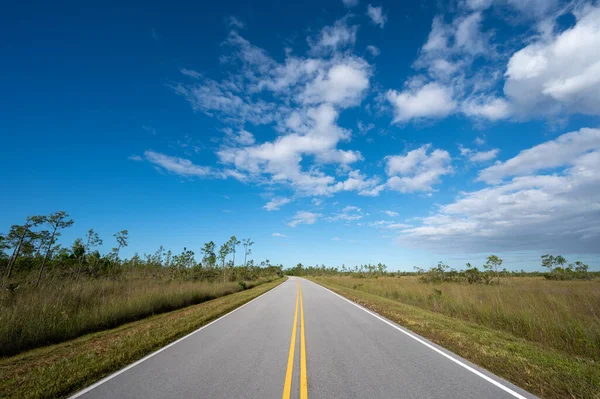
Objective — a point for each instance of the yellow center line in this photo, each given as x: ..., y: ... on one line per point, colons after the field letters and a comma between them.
x: 303, y: 378
x: 287, y: 387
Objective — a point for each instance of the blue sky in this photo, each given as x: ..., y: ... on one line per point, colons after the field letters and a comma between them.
x: 338, y: 132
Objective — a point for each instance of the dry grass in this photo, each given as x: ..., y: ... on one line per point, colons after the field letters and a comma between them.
x: 59, y: 370
x: 31, y: 318
x: 541, y: 335
x: 564, y: 315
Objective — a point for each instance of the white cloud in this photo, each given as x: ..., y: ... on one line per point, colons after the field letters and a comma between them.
x: 317, y: 201
x: 487, y: 107
x: 190, y: 73
x: 318, y: 135
x: 349, y: 213
x: 178, y: 166
x: 303, y: 217
x: 301, y: 98
x: 564, y: 150
x: 136, y: 158
x: 479, y: 141
x: 429, y: 101
x: 377, y: 16
x: 235, y: 22
x: 335, y: 239
x: 478, y: 156
x: 558, y: 74
x: 243, y: 137
x: 359, y: 182
x: 350, y: 3
x: 398, y: 226
x: 386, y: 224
x: 373, y: 50
x: 334, y: 37
x: 276, y: 203
x: 483, y: 156
x: 364, y: 128
x: 418, y: 170
x: 538, y: 212
x: 479, y: 4
x: 343, y: 84
x: 279, y: 235
x: 468, y: 36
x: 391, y: 213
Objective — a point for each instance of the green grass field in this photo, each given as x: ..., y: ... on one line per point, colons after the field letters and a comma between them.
x: 67, y: 309
x: 59, y: 370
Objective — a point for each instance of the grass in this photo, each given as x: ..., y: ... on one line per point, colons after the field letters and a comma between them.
x: 541, y: 335
x: 59, y: 370
x: 64, y: 310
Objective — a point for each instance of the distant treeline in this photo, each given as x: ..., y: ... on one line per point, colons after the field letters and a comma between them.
x: 490, y: 273
x: 30, y: 253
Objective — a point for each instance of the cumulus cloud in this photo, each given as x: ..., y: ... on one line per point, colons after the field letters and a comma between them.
x: 279, y: 235
x: 391, y: 213
x: 428, y: 101
x: 490, y: 108
x: 350, y: 3
x: 545, y: 157
x: 560, y: 73
x: 478, y: 156
x: 342, y: 84
x: 557, y: 210
x: 276, y: 203
x: 304, y: 217
x: 418, y: 170
x: 377, y: 16
x: 301, y: 98
x: 334, y: 37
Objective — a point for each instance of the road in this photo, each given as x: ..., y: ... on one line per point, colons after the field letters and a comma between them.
x: 301, y: 340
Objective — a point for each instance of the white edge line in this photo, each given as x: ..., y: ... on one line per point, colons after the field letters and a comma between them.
x: 466, y: 366
x: 121, y: 371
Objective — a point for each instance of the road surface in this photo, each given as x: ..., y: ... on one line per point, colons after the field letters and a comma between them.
x: 301, y: 340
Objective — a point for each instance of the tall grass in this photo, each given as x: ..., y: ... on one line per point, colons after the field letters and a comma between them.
x: 64, y: 310
x: 564, y: 315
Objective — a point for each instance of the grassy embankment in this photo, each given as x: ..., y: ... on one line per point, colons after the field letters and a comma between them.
x: 541, y: 335
x: 67, y: 309
x: 59, y: 370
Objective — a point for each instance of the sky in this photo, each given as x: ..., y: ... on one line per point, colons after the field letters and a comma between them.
x: 329, y: 132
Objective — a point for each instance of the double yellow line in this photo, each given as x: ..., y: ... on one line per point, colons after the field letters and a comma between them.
x: 287, y: 387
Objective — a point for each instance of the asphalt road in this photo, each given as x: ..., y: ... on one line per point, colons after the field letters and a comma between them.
x: 302, y: 340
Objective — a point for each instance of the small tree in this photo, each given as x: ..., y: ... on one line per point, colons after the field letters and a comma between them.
x: 122, y: 237
x: 93, y: 240
x: 233, y: 243
x: 493, y: 263
x: 209, y: 258
x: 3, y: 245
x: 560, y: 261
x: 548, y: 261
x: 581, y: 269
x: 57, y: 221
x: 247, y: 243
x: 17, y: 235
x: 223, y: 252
